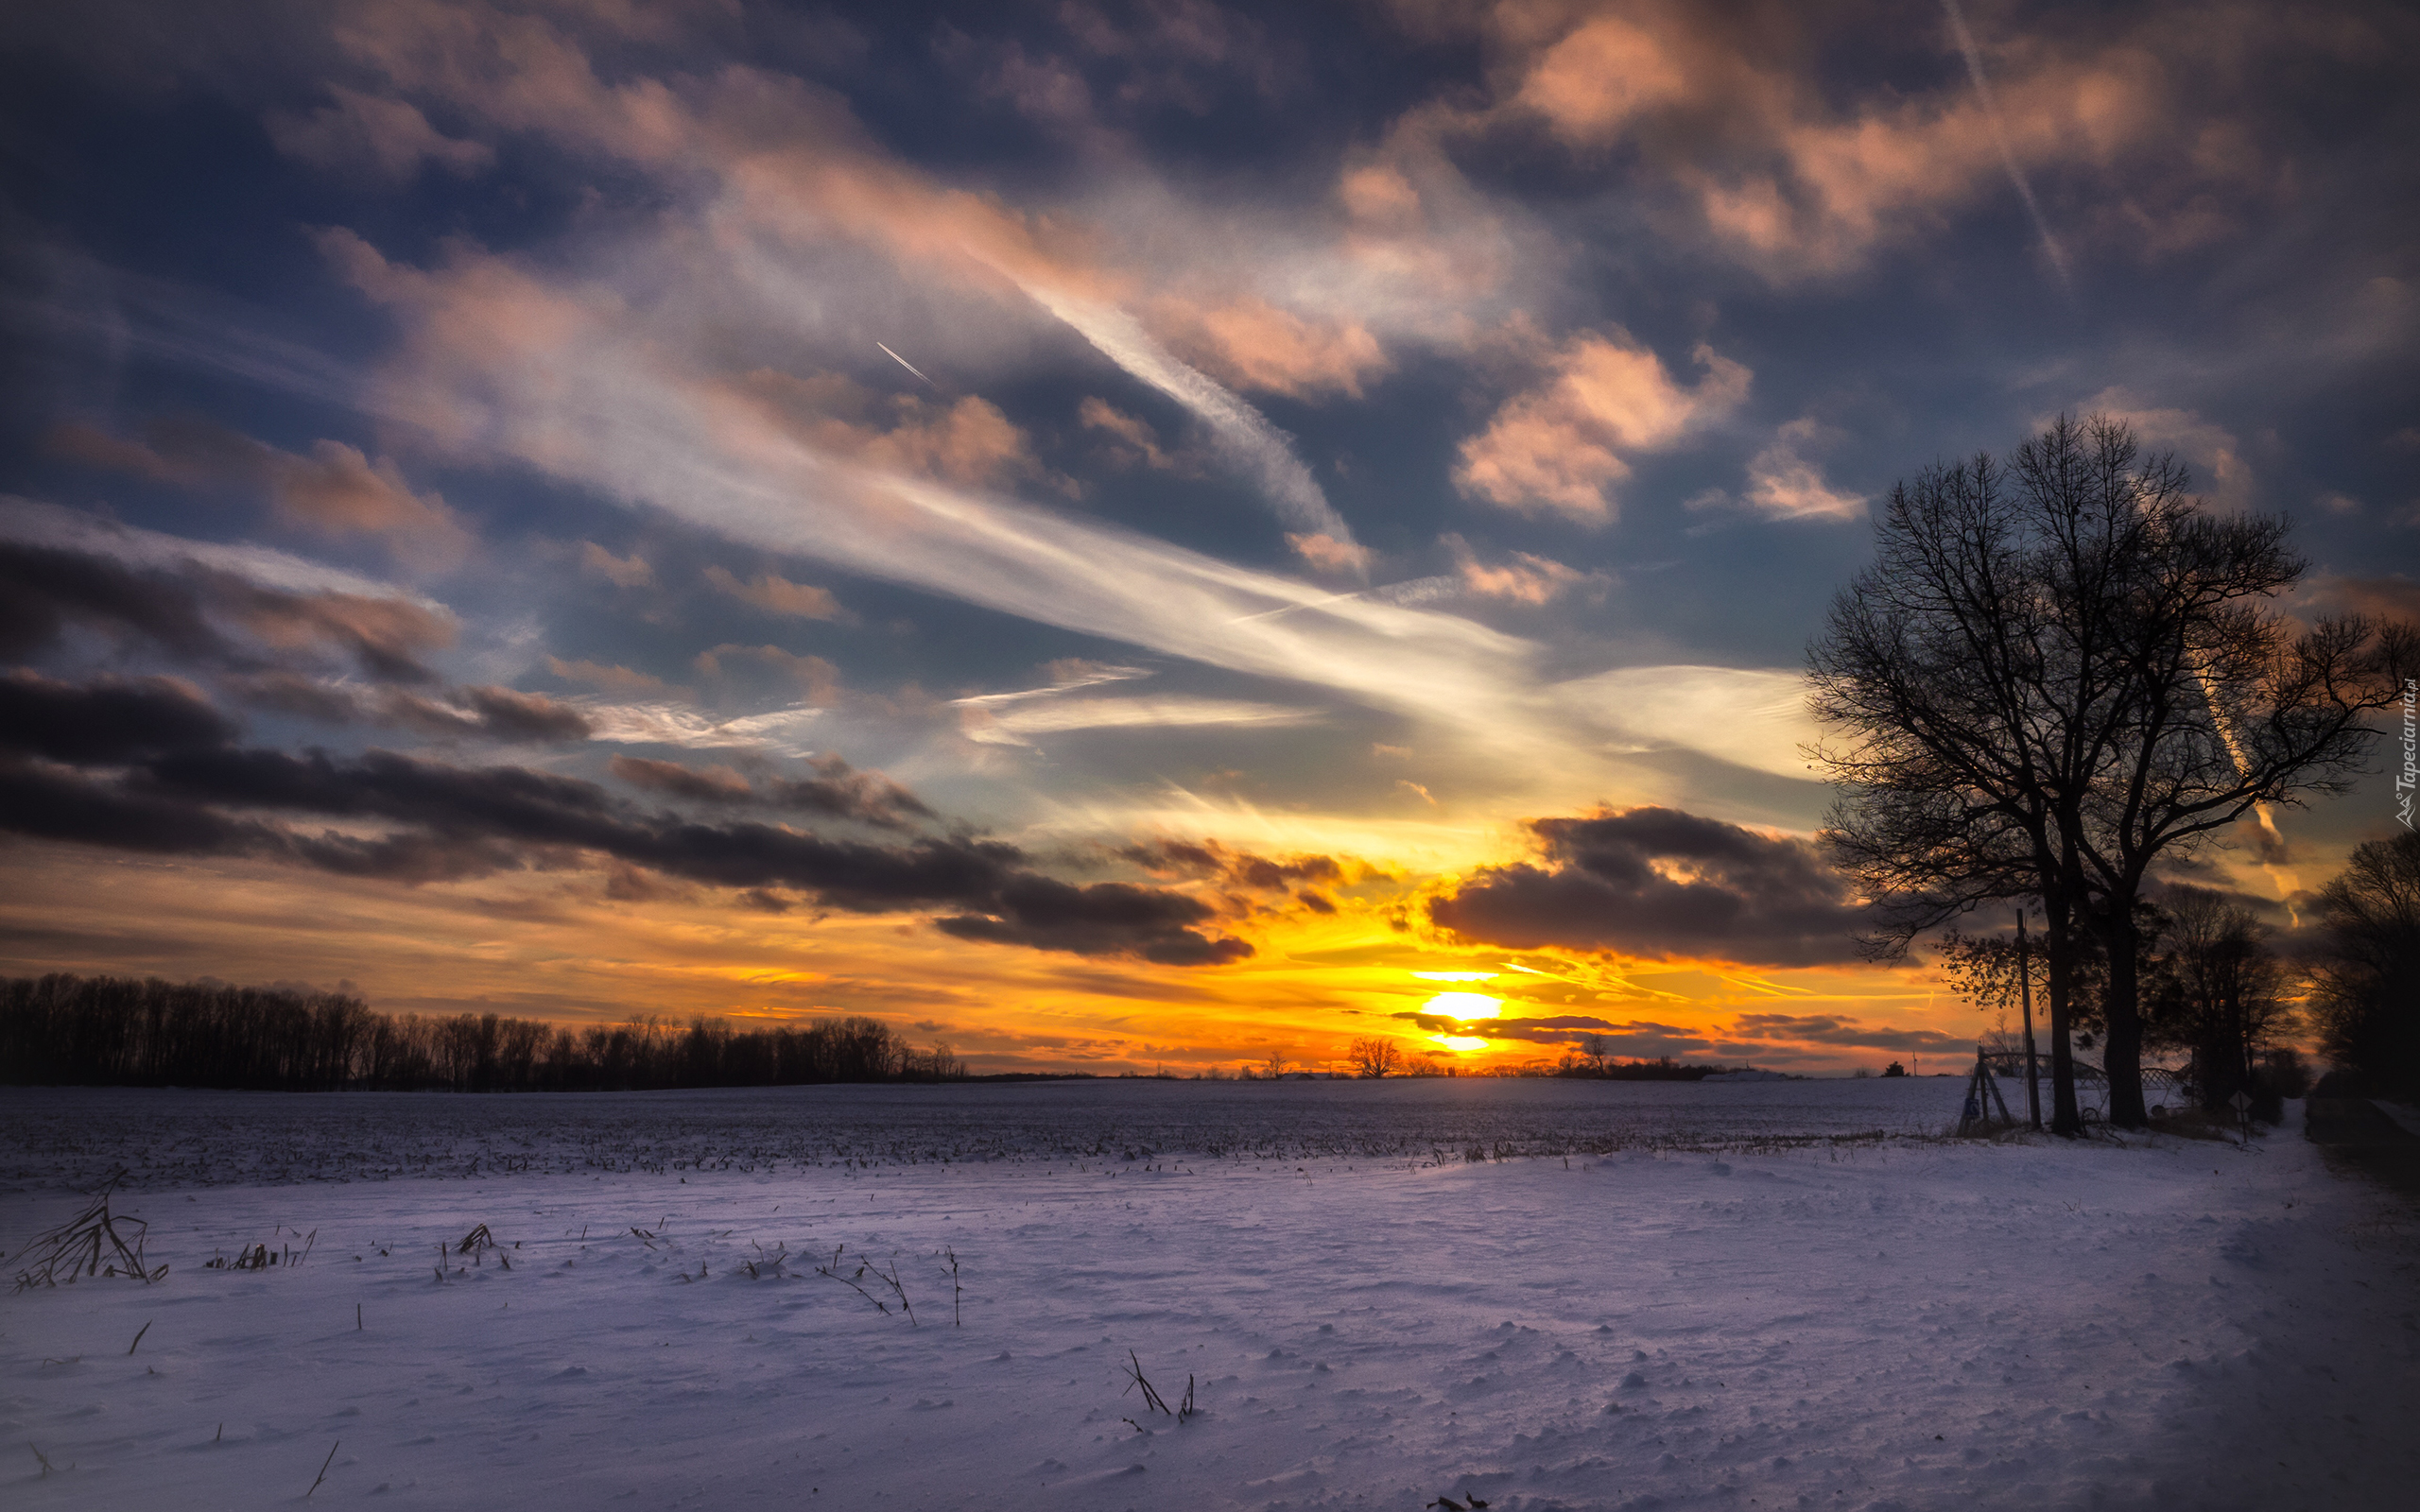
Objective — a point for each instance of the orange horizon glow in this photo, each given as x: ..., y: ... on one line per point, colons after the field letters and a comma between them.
x: 561, y: 947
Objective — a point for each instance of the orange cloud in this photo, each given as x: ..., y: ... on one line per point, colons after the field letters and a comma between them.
x: 968, y: 442
x: 622, y: 572
x: 1526, y: 579
x: 1559, y: 447
x: 1785, y: 481
x: 1253, y: 344
x: 1796, y: 180
x: 776, y: 594
x: 335, y: 490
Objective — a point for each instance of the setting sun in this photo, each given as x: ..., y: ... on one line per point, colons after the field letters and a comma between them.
x: 1463, y: 1005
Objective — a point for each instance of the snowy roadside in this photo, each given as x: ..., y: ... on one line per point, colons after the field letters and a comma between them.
x: 1909, y: 1325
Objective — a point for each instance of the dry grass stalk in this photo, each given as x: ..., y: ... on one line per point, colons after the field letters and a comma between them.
x: 323, y: 1468
x: 93, y: 1243
x: 856, y: 1282
x: 764, y: 1264
x: 1151, y: 1399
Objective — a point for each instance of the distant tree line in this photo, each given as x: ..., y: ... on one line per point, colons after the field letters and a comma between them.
x: 63, y: 1030
x: 2366, y: 993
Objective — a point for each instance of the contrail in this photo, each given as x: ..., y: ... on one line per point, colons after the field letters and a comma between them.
x: 1256, y: 448
x: 1999, y: 134
x: 911, y: 367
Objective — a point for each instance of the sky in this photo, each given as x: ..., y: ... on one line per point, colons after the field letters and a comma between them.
x: 1108, y: 535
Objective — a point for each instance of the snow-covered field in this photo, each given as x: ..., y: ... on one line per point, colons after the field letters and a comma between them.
x: 194, y: 1137
x: 1839, y: 1324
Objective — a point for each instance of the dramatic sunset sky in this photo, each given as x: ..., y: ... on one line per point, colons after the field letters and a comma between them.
x: 1105, y: 534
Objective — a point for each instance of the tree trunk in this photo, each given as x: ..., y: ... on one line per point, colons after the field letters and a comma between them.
x: 2058, y: 952
x: 2123, y: 1054
x: 2025, y: 993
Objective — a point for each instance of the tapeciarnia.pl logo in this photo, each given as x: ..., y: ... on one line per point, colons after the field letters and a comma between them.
x: 2407, y: 779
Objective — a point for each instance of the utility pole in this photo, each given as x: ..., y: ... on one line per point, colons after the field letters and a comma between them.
x: 2024, y: 995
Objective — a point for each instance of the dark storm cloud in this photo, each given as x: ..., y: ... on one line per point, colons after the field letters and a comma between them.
x: 497, y: 713
x: 1828, y: 1029
x: 1103, y: 919
x: 49, y: 804
x: 106, y: 721
x: 185, y: 791
x: 1631, y: 1039
x: 1660, y: 883
x: 836, y: 790
x: 1236, y: 869
x: 203, y: 617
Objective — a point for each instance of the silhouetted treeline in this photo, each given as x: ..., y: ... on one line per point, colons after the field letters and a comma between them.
x: 1663, y: 1067
x: 118, y: 1031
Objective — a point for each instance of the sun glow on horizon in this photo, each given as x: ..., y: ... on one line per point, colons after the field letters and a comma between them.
x: 1460, y: 1042
x: 1455, y: 976
x: 1463, y: 1005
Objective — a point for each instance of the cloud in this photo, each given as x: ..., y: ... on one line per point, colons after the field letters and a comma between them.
x: 622, y: 572
x: 1830, y: 1029
x: 836, y: 790
x: 1736, y: 133
x: 1559, y: 448
x: 1103, y: 919
x: 1142, y: 443
x: 1329, y: 554
x: 182, y: 792
x: 967, y: 440
x: 776, y: 594
x: 109, y: 721
x: 2395, y: 597
x: 369, y: 133
x: 1008, y: 726
x: 1661, y: 884
x: 1756, y: 718
x: 492, y: 713
x: 1525, y: 580
x: 1591, y: 84
x: 1634, y: 1039
x: 1239, y: 433
x: 1208, y: 859
x: 335, y: 490
x: 650, y: 434
x: 239, y: 607
x: 612, y: 679
x: 1783, y: 481
x: 1256, y: 345
x: 782, y: 731
x: 2213, y: 453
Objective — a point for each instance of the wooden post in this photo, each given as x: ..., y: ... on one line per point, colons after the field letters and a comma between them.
x: 2024, y: 995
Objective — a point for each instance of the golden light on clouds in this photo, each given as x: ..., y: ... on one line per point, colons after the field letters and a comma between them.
x: 1461, y: 1043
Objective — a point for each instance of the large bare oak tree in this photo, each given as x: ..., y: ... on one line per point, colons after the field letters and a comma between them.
x: 2059, y: 671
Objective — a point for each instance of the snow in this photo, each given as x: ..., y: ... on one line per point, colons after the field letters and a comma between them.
x: 1854, y: 1323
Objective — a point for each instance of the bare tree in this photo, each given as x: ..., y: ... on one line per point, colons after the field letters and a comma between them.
x: 2365, y: 992
x: 1375, y: 1056
x: 1969, y: 676
x: 1598, y: 1048
x: 1274, y: 1066
x: 2219, y: 990
x: 2057, y: 674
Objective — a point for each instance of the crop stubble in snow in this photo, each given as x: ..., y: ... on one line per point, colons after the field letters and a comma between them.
x: 200, y: 1137
x: 1870, y: 1325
